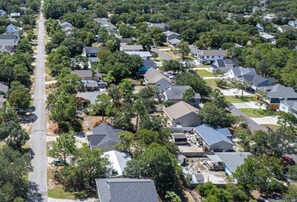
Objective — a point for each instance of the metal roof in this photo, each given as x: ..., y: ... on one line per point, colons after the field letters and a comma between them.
x: 233, y: 160
x: 118, y: 160
x: 176, y: 92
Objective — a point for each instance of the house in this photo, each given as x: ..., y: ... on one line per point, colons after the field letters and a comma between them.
x: 147, y: 64
x: 171, y: 35
x: 285, y: 28
x: 2, y: 13
x: 175, y: 94
x: 118, y: 161
x: 152, y: 76
x: 145, y: 55
x: 238, y: 72
x: 105, y: 23
x: 88, y: 75
x: 9, y: 40
x: 232, y: 160
x: 182, y: 114
x: 213, y: 139
x: 90, y: 85
x: 126, y: 47
x: 224, y: 65
x: 104, y: 137
x: 15, y: 15
x: 174, y: 42
x: 214, y: 162
x: 161, y: 26
x: 260, y: 28
x: 13, y: 30
x: 269, y: 17
x: 255, y: 81
x: 90, y: 51
x: 92, y: 61
x: 273, y: 95
x: 288, y: 106
x: 7, y: 49
x: 209, y: 56
x: 180, y: 139
x: 267, y: 37
x: 3, y: 88
x: 293, y: 23
x: 66, y: 27
x: 90, y: 97
x: 2, y: 101
x: 194, y: 51
x: 125, y: 40
x: 163, y: 84
x: 126, y: 190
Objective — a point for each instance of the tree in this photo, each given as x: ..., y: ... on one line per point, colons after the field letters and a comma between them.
x: 102, y: 103
x: 172, y: 196
x: 193, y: 80
x: 189, y: 96
x: 172, y: 65
x: 63, y: 147
x: 13, y: 135
x: 146, y: 41
x: 139, y: 110
x: 158, y: 164
x: 291, y: 195
x: 260, y: 173
x: 183, y: 49
x: 292, y: 172
x: 19, y: 96
x: 218, y: 99
x: 212, y: 115
x: 14, y: 185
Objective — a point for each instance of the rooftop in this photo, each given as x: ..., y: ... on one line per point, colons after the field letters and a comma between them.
x: 179, y: 110
x: 282, y: 92
x: 118, y: 160
x: 213, y: 53
x: 126, y: 47
x: 126, y: 190
x: 153, y: 76
x: 233, y: 160
x: 90, y: 49
x: 176, y: 92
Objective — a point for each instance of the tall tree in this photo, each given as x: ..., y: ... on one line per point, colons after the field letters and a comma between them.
x: 63, y: 147
x: 183, y: 49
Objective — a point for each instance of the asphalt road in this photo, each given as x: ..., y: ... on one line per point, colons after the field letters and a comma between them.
x: 38, y: 177
x: 161, y: 54
x: 252, y: 124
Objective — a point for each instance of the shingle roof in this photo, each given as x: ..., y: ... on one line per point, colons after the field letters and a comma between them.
x: 11, y: 37
x: 169, y: 33
x: 174, y: 41
x: 287, y: 28
x: 280, y: 91
x: 254, y: 78
x: 177, y: 92
x: 240, y: 71
x: 211, y: 136
x: 163, y: 84
x: 118, y: 160
x: 91, y: 49
x: 125, y: 47
x: 66, y: 25
x: 179, y: 110
x: 104, y: 136
x: 224, y: 63
x: 149, y: 63
x: 126, y: 190
x: 91, y: 96
x: 105, y: 22
x: 83, y: 73
x: 140, y: 53
x: 3, y: 88
x: 153, y: 76
x: 193, y: 49
x: 233, y: 160
x: 213, y: 53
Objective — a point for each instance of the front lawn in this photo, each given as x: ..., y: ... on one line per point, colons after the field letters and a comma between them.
x: 272, y: 127
x: 59, y: 193
x: 211, y: 82
x: 205, y: 73
x: 258, y: 113
x: 203, y: 66
x: 240, y: 99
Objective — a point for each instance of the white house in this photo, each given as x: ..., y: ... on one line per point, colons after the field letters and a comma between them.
x: 126, y: 47
x: 9, y: 40
x: 13, y: 30
x: 118, y: 161
x: 293, y: 23
x: 209, y: 56
x: 182, y: 114
x: 288, y: 106
x: 145, y: 55
x: 2, y: 13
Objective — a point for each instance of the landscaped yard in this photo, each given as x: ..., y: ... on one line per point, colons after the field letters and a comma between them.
x: 256, y: 113
x: 273, y: 127
x: 240, y: 99
x: 204, y: 73
x: 211, y: 82
x: 58, y: 192
x: 203, y: 66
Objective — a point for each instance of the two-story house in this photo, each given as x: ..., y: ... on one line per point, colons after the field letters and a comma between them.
x: 209, y: 56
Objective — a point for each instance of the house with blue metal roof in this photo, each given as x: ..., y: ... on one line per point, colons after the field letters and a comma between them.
x: 213, y: 139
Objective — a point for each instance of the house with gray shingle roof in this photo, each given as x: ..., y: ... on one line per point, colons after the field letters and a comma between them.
x: 285, y: 28
x: 163, y: 84
x: 273, y: 95
x: 288, y: 106
x: 152, y: 76
x: 161, y: 26
x: 171, y: 35
x: 213, y: 138
x: 224, y: 65
x: 3, y: 88
x: 127, y: 47
x: 91, y: 51
x: 182, y: 114
x: 9, y: 40
x: 104, y: 137
x: 105, y: 23
x: 126, y: 190
x: 209, y: 56
x: 175, y: 94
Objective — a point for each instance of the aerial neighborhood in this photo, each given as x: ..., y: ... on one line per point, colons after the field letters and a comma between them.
x: 128, y: 101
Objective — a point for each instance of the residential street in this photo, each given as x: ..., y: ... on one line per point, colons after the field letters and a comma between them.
x: 38, y: 137
x: 252, y: 124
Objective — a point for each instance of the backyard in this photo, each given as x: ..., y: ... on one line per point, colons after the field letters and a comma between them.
x: 205, y: 73
x: 240, y: 99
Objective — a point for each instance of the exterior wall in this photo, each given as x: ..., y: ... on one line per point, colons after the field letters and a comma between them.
x: 283, y: 108
x: 189, y: 120
x: 210, y: 59
x: 222, y: 146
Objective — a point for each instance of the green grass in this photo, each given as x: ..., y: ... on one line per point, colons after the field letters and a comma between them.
x: 211, y: 82
x: 58, y: 192
x: 203, y: 66
x: 240, y: 99
x: 205, y: 73
x: 257, y: 113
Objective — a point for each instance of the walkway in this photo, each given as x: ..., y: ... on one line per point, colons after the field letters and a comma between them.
x: 38, y: 177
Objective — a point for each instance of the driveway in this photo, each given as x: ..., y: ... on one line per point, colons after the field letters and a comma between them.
x: 38, y: 177
x: 235, y: 92
x: 161, y: 54
x: 267, y: 120
x: 251, y: 105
